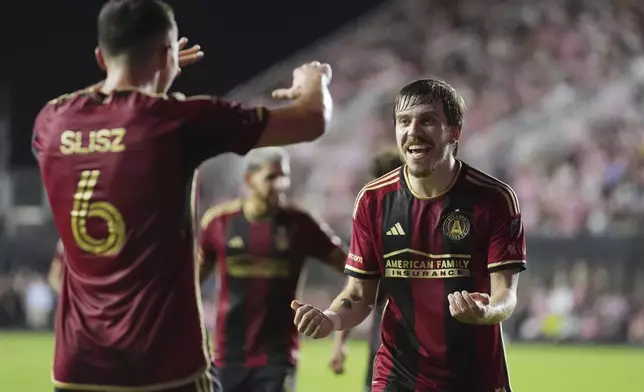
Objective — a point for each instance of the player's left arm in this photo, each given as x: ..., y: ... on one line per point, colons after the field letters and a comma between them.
x: 506, y: 256
x: 505, y: 260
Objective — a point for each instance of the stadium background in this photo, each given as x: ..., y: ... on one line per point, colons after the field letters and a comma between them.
x: 556, y: 96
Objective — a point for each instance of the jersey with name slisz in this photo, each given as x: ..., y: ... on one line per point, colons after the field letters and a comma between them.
x: 259, y: 264
x: 423, y: 250
x: 117, y: 169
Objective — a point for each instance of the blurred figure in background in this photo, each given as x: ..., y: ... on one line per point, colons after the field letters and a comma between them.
x: 382, y: 164
x: 55, y: 275
x: 259, y: 244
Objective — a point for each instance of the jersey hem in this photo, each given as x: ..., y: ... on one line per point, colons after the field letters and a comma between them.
x: 143, y: 388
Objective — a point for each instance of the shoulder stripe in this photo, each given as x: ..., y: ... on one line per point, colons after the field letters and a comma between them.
x: 383, y: 177
x: 487, y: 181
x: 388, y: 179
x: 219, y: 210
x: 66, y: 96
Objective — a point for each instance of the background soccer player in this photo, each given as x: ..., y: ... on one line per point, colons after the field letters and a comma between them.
x: 382, y: 164
x: 447, y: 243
x: 259, y: 244
x: 116, y: 162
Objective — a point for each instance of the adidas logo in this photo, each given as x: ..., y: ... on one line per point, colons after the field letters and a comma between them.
x: 396, y: 230
x: 236, y: 242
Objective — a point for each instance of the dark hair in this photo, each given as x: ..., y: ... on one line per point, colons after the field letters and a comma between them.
x: 133, y: 27
x: 385, y: 162
x: 430, y: 90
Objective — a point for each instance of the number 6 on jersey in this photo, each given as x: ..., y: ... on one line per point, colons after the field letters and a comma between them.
x: 85, y: 209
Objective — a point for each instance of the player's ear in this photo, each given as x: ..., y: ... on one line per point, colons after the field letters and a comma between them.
x: 456, y: 133
x: 100, y: 59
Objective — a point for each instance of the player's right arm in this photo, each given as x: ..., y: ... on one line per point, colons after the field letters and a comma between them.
x: 307, y: 117
x: 211, y: 126
x: 352, y: 306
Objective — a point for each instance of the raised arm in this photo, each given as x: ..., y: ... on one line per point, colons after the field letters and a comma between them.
x: 308, y: 115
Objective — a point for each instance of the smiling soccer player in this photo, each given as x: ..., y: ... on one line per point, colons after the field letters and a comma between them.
x: 446, y: 242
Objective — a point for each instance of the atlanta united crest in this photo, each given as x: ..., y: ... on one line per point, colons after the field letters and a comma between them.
x: 456, y: 226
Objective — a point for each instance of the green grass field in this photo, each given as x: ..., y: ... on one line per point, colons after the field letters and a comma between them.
x: 25, y: 360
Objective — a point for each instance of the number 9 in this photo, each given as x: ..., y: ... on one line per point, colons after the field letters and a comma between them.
x: 84, y: 209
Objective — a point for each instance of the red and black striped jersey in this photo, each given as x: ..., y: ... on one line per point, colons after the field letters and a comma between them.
x: 422, y: 250
x: 259, y: 263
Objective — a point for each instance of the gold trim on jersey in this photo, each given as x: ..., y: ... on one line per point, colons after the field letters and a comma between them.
x: 361, y: 271
x: 145, y: 388
x: 390, y: 178
x: 505, y: 262
x: 219, y: 210
x: 108, y: 99
x: 428, y: 255
x: 449, y: 187
x: 477, y: 177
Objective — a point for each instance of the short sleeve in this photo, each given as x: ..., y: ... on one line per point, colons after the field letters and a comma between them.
x: 319, y: 238
x: 362, y: 262
x: 214, y: 126
x: 507, y: 247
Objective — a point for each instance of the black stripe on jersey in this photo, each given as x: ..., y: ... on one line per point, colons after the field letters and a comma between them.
x: 459, y: 337
x: 397, y: 208
x: 237, y: 290
x: 277, y: 332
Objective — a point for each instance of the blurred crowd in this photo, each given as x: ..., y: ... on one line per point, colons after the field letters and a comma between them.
x: 579, y: 304
x: 534, y: 61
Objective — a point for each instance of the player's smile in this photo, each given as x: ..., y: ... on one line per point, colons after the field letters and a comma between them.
x: 418, y: 152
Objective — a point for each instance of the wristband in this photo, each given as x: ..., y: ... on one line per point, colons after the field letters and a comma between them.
x: 335, y: 319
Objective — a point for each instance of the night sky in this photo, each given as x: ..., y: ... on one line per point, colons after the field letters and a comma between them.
x: 55, y: 41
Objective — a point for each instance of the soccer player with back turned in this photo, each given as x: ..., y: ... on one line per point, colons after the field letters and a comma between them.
x: 446, y: 242
x: 116, y: 162
x: 259, y: 245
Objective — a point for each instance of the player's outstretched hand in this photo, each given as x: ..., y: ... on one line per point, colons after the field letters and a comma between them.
x: 188, y: 56
x: 310, y: 320
x: 337, y: 361
x: 303, y: 75
x: 467, y: 307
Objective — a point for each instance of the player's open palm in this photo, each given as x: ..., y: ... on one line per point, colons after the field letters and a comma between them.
x: 310, y: 320
x: 467, y: 307
x: 190, y: 55
x: 303, y: 75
